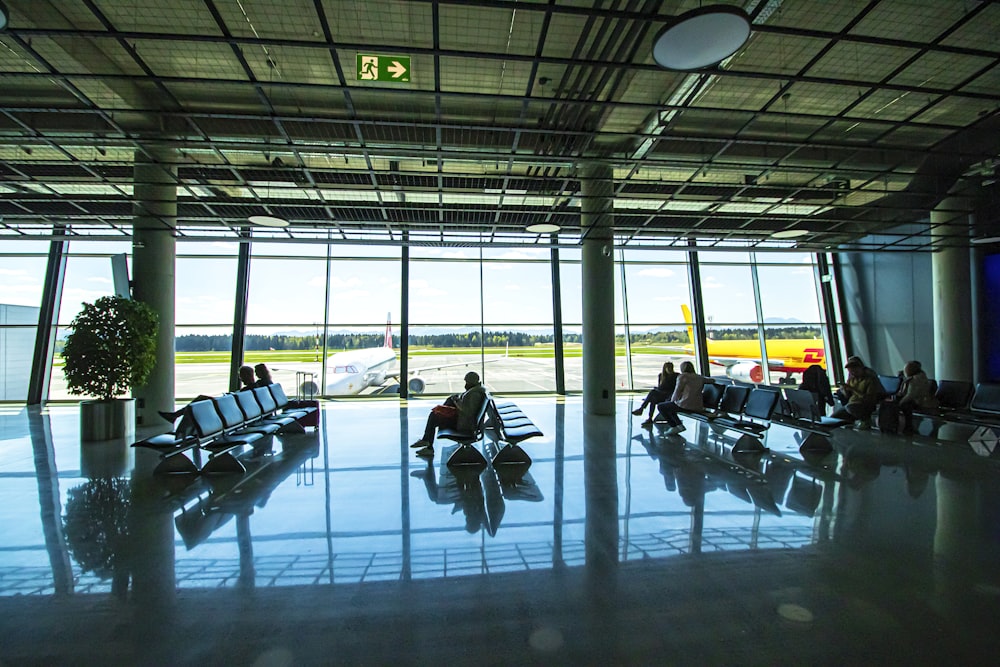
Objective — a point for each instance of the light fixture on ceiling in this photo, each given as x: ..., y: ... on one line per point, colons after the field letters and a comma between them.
x: 701, y: 37
x: 268, y: 221
x: 789, y: 233
x: 4, y: 16
x: 985, y: 240
x: 543, y: 228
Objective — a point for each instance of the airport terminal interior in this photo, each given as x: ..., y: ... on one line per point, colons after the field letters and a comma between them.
x: 375, y: 198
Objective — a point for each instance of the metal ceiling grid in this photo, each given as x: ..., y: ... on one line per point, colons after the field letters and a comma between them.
x: 772, y: 127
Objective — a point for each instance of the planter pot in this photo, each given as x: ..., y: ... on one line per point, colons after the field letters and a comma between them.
x: 107, y: 420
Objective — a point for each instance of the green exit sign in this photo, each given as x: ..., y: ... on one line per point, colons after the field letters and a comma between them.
x: 374, y: 67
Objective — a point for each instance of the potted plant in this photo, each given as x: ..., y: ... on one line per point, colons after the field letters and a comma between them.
x: 111, y: 350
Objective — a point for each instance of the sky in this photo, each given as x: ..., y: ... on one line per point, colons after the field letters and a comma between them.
x: 287, y: 286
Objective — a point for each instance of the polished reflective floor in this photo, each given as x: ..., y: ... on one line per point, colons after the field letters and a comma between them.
x: 619, y: 545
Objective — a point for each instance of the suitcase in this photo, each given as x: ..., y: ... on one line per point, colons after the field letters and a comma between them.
x: 888, y: 417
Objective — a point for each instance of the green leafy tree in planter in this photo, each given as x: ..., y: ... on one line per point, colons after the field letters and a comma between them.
x: 112, y: 347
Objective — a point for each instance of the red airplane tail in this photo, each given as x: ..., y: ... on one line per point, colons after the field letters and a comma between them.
x: 388, y: 331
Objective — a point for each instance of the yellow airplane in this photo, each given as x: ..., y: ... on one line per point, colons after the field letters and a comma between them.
x: 742, y: 357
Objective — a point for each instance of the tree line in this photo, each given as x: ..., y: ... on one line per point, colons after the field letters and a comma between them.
x: 354, y: 341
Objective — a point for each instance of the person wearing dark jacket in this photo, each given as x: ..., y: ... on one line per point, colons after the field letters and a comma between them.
x: 665, y: 383
x: 460, y: 412
x: 815, y: 380
x: 263, y: 376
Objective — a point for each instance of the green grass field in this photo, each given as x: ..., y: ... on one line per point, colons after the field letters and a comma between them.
x: 277, y: 357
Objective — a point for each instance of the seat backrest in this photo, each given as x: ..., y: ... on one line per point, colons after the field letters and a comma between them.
x: 986, y: 398
x: 890, y: 384
x: 266, y: 400
x: 710, y: 395
x: 802, y: 403
x: 229, y: 410
x: 248, y: 404
x: 278, y: 394
x: 761, y: 403
x: 206, y: 419
x: 954, y: 394
x: 481, y: 415
x: 733, y: 399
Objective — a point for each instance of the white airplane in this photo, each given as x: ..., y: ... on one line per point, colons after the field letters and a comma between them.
x: 353, y: 371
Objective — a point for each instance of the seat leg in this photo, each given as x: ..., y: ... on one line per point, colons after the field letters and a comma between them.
x: 747, y: 444
x: 176, y: 464
x: 223, y: 464
x: 467, y: 455
x: 511, y: 455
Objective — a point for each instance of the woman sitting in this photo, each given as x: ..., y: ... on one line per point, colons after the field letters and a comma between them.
x: 914, y: 394
x: 665, y: 383
x: 686, y: 396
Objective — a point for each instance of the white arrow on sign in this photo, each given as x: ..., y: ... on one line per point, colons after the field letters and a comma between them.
x: 397, y: 69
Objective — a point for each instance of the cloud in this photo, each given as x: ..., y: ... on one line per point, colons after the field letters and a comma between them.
x: 99, y: 279
x: 338, y: 283
x: 519, y: 253
x: 13, y: 272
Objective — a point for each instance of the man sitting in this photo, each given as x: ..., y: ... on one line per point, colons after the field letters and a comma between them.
x: 460, y: 412
x: 860, y: 394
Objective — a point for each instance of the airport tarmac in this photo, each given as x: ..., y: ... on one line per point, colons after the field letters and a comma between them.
x: 501, y: 375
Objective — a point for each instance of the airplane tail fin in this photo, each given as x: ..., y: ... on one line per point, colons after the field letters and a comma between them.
x: 689, y: 320
x: 388, y: 331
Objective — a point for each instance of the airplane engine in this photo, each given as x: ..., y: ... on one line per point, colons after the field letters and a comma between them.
x: 309, y: 389
x: 416, y: 386
x: 746, y: 372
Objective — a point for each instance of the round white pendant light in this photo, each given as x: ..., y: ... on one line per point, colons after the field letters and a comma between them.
x: 268, y: 221
x: 701, y: 37
x: 542, y: 228
x: 789, y: 233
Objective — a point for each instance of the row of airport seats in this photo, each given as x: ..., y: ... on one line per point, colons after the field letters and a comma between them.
x: 509, y: 426
x: 739, y: 407
x: 221, y: 425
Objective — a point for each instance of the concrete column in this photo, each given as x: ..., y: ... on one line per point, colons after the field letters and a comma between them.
x: 951, y: 271
x: 596, y: 185
x: 154, y: 251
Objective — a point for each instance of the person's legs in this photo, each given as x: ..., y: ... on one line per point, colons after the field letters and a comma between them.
x: 861, y: 412
x: 433, y: 422
x: 906, y: 409
x: 668, y: 410
x: 655, y: 397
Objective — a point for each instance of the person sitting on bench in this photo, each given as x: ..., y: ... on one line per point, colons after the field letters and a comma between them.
x: 686, y: 396
x: 460, y: 412
x: 859, y: 395
x: 263, y: 376
x: 915, y: 394
x: 247, y: 378
x: 665, y: 383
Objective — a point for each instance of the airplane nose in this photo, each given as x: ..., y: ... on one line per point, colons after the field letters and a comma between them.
x: 344, y: 385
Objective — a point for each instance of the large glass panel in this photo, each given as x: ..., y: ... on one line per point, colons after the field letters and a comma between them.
x: 657, y: 289
x: 364, y: 304
x: 793, y: 329
x: 445, y: 323
x: 88, y: 278
x: 517, y: 313
x: 285, y: 310
x: 570, y: 280
x: 205, y: 292
x: 731, y: 322
x: 22, y: 278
